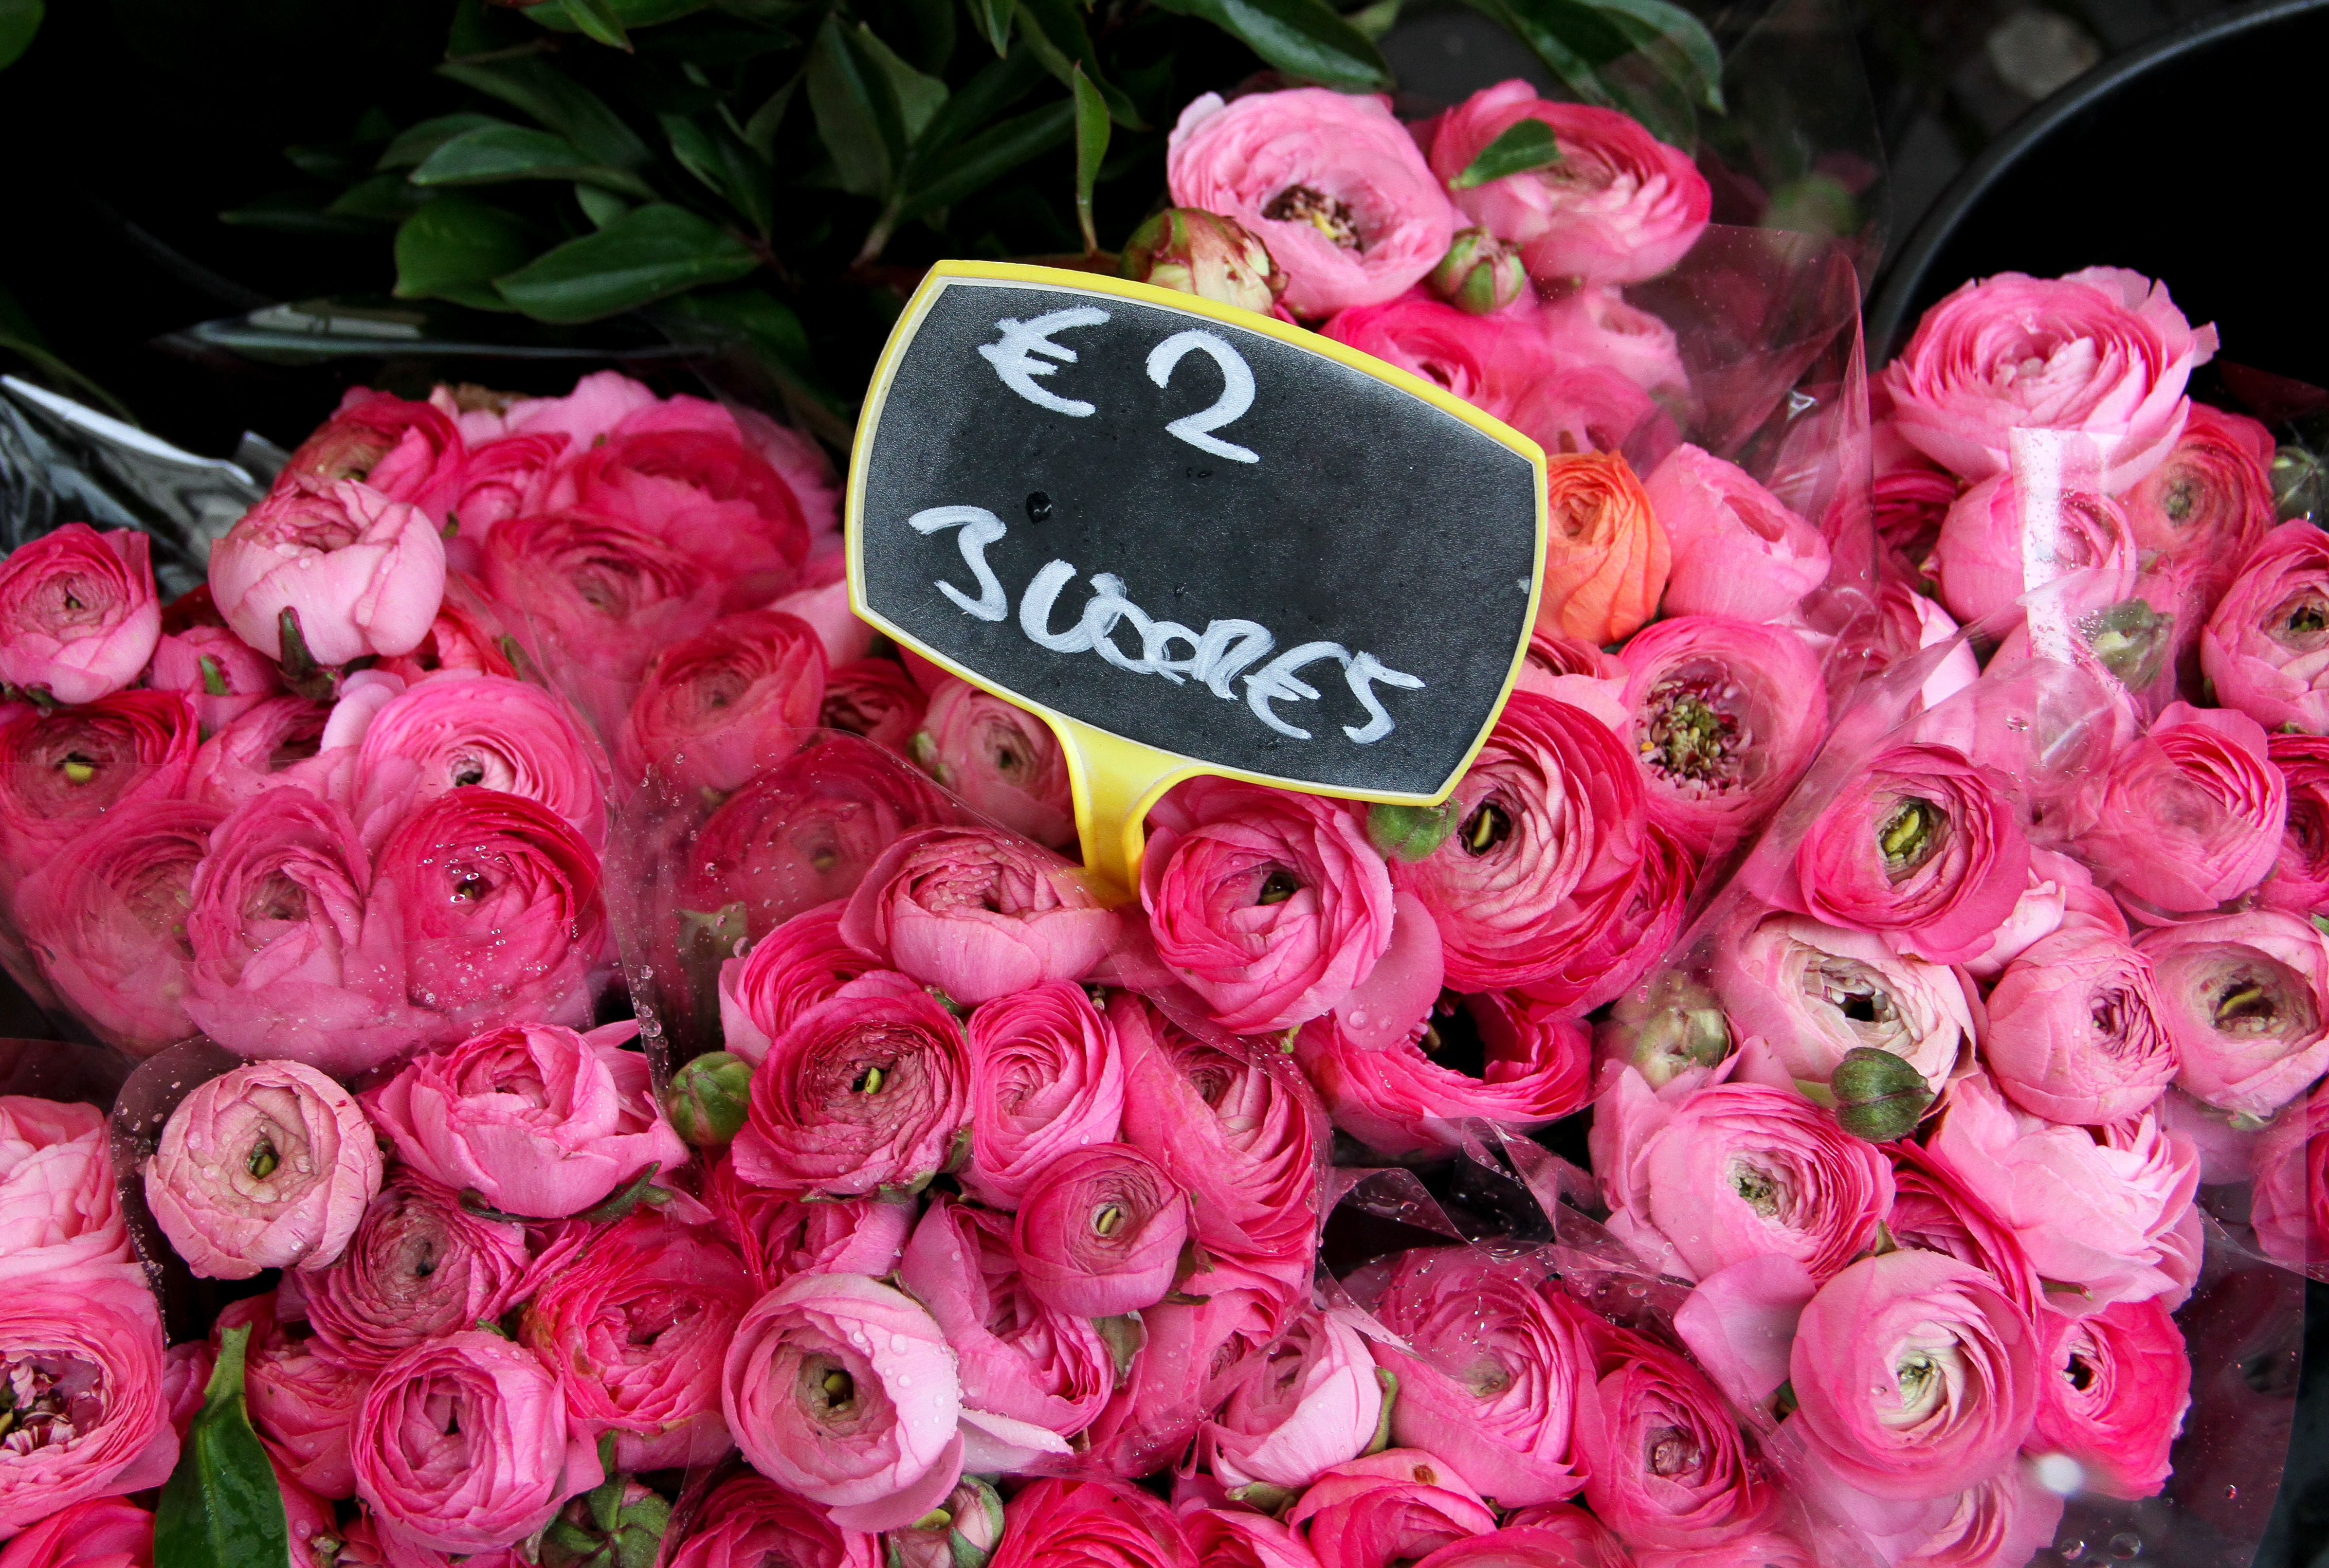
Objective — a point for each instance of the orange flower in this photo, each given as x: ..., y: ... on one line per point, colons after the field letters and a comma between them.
x: 1605, y: 555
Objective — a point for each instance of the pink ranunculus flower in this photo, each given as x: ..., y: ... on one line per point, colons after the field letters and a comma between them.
x: 1528, y: 1545
x: 874, y: 698
x: 2118, y: 1383
x: 1595, y: 326
x: 1240, y: 1538
x: 1187, y: 1366
x: 2061, y: 892
x: 1488, y: 1367
x: 100, y: 1532
x: 1910, y: 506
x: 843, y: 1391
x: 808, y: 831
x: 60, y: 1215
x: 1983, y: 564
x: 461, y: 730
x: 696, y: 476
x: 420, y: 1265
x: 1271, y: 906
x: 1090, y: 1524
x: 1739, y: 551
x: 1032, y: 1377
x: 363, y: 574
x: 2246, y: 1002
x: 2267, y: 646
x: 599, y: 591
x: 1310, y: 1402
x: 302, y: 1402
x: 495, y: 899
x: 1915, y: 1375
x: 1329, y: 181
x: 2095, y: 1208
x: 2077, y: 1031
x: 101, y: 918
x: 1722, y: 717
x: 81, y: 1358
x: 77, y: 616
x: 1665, y: 1462
x: 219, y: 674
x: 274, y: 744
x: 750, y: 1522
x: 2191, y: 815
x: 1100, y: 1231
x: 468, y: 633
x: 2103, y: 351
x: 713, y: 709
x: 2299, y: 883
x: 632, y: 1321
x: 1812, y: 992
x: 1047, y: 1078
x: 2005, y: 1519
x: 186, y: 1369
x: 1548, y: 845
x: 782, y: 1236
x: 61, y: 769
x: 1920, y: 845
x: 1934, y: 1209
x: 2211, y: 501
x: 1536, y: 1067
x: 1392, y: 1506
x: 288, y: 961
x: 1619, y: 205
x: 538, y: 1120
x: 1491, y: 362
x: 269, y: 1166
x: 868, y: 1092
x: 1001, y: 759
x: 407, y: 451
x: 1732, y: 1171
x: 464, y: 1444
x: 2290, y: 1206
x: 978, y: 914
x: 1239, y: 1133
x: 800, y: 964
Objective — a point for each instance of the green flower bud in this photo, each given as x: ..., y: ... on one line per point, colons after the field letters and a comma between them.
x: 1676, y: 1026
x: 1479, y: 274
x: 708, y: 1098
x: 620, y: 1524
x: 1408, y: 833
x: 2132, y: 640
x: 1194, y: 252
x: 1879, y: 1096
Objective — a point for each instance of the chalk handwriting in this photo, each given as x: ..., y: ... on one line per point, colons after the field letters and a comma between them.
x: 1013, y: 355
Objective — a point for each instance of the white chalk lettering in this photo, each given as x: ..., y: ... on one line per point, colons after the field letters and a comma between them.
x: 1237, y: 391
x: 1012, y: 356
x: 980, y: 528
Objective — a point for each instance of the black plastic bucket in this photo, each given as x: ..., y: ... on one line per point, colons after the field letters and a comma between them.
x: 2197, y: 159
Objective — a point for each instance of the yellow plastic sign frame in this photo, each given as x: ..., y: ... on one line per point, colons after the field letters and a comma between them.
x: 1116, y: 781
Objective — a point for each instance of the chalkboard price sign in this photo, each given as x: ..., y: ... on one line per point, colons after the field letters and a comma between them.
x: 1196, y: 539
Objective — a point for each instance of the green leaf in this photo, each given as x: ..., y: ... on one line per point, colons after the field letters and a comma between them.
x: 993, y: 88
x: 456, y: 246
x: 856, y: 115
x: 1666, y: 30
x: 297, y: 213
x: 1650, y: 58
x: 725, y: 166
x: 221, y: 1506
x: 918, y: 97
x: 1056, y: 33
x: 1377, y: 19
x: 618, y: 16
x: 779, y: 342
x: 20, y: 21
x: 598, y: 21
x: 760, y: 132
x: 601, y: 207
x: 414, y: 144
x: 978, y: 162
x: 934, y: 32
x: 1092, y: 147
x: 383, y: 198
x: 495, y: 154
x: 1524, y: 145
x: 643, y: 256
x: 1304, y: 38
x: 994, y: 19
x: 540, y: 89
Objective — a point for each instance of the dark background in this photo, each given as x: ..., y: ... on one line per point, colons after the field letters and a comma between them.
x: 131, y: 124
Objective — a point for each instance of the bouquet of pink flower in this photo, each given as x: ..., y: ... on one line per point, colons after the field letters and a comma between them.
x: 1773, y: 1113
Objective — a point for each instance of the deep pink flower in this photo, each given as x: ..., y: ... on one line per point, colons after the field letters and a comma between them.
x: 1329, y: 181
x: 2077, y: 1031
x: 1100, y: 1231
x: 800, y: 964
x: 81, y: 1358
x: 461, y: 730
x: 782, y: 1236
x: 1665, y: 1460
x: 2191, y: 815
x: 407, y: 451
x: 1915, y: 1375
x: 2267, y: 646
x: 1389, y: 1507
x: 843, y: 1391
x: 1619, y: 204
x: 750, y: 1522
x: 1001, y: 759
x: 100, y: 1532
x: 1062, y: 1524
x: 1047, y: 1078
x: 2118, y: 1383
x: 874, y: 698
x: 269, y: 1166
x: 869, y: 1091
x: 420, y: 1266
x: 1739, y: 551
x: 538, y: 1120
x: 2103, y: 351
x: 978, y: 914
x: 61, y: 769
x: 2299, y: 883
x: 60, y: 1215
x: 2290, y: 1209
x: 2211, y: 501
x: 77, y: 616
x: 2246, y: 1001
x: 302, y: 1401
x: 364, y: 574
x: 712, y: 710
x: 1535, y: 1066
